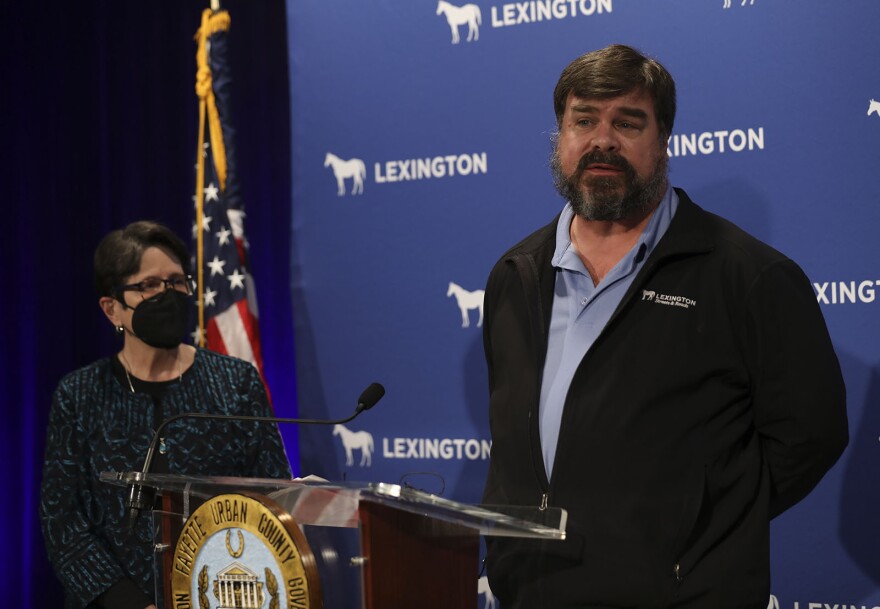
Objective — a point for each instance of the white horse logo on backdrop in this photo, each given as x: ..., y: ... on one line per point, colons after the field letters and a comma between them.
x: 874, y: 107
x: 459, y: 15
x: 466, y: 301
x: 355, y: 440
x: 727, y: 3
x: 483, y: 588
x: 352, y: 168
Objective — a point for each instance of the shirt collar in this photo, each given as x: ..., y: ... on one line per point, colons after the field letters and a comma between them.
x: 565, y: 257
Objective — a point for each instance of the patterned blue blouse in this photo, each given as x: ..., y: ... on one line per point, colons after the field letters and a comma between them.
x: 97, y: 424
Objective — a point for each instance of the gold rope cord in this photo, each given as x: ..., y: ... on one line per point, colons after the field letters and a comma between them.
x: 211, y: 23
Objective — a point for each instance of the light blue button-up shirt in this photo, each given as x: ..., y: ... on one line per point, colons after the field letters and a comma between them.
x: 581, y: 310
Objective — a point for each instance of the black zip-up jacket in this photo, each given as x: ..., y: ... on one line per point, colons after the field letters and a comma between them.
x: 711, y: 402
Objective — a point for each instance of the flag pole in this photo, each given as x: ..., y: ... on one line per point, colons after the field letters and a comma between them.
x: 200, y: 186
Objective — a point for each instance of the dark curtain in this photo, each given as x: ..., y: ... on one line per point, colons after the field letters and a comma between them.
x: 99, y: 121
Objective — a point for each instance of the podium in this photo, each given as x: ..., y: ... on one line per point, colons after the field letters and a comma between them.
x: 343, y: 545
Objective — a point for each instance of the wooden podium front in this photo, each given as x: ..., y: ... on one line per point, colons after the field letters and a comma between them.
x: 409, y: 556
x: 240, y: 542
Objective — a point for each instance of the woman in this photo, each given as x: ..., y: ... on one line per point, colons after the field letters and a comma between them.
x: 103, y: 417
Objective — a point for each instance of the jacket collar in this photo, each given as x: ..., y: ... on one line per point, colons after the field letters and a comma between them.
x: 687, y: 232
x: 686, y: 235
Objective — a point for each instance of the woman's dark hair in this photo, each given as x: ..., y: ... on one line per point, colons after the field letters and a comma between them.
x: 119, y: 254
x: 614, y: 71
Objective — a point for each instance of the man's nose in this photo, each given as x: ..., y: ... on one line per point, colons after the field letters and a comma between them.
x: 604, y: 137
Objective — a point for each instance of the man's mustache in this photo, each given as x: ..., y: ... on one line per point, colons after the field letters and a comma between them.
x: 604, y: 158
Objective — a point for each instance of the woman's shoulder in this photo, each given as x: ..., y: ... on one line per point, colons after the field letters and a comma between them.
x: 87, y: 374
x: 211, y: 360
x: 87, y: 384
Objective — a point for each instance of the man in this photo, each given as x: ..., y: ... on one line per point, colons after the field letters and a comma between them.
x: 655, y: 371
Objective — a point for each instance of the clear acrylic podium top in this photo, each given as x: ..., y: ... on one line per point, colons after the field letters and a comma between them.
x: 335, y: 504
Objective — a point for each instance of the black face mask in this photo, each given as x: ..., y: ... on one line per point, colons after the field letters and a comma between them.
x: 161, y: 321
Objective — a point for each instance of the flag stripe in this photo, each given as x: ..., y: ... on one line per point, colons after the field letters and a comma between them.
x: 233, y: 330
x: 214, y: 339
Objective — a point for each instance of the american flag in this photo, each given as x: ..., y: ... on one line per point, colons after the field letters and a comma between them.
x: 228, y: 321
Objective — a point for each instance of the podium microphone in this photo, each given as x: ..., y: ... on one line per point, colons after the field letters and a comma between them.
x: 140, y: 498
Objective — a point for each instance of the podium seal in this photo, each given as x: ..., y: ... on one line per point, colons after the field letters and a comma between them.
x: 240, y: 551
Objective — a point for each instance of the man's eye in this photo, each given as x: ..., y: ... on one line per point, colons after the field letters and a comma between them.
x: 178, y: 282
x: 150, y: 285
x: 627, y: 126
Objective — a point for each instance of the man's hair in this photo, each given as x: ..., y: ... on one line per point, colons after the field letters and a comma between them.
x: 119, y: 254
x: 614, y: 71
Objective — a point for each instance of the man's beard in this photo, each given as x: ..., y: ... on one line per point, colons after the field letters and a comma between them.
x: 602, y: 198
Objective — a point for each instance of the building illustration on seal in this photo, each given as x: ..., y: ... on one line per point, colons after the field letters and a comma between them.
x: 237, y: 587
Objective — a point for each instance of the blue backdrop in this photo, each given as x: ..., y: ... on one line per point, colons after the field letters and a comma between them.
x: 420, y: 137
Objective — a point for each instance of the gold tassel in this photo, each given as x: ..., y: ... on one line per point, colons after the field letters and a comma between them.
x: 211, y: 23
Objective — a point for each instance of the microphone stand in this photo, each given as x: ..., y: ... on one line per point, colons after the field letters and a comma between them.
x: 140, y: 498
